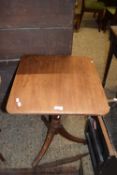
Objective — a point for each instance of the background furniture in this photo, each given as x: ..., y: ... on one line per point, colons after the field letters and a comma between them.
x: 110, y: 17
x: 57, y: 86
x: 112, y: 51
x: 35, y: 27
x: 101, y: 134
x: 109, y: 2
x: 91, y: 6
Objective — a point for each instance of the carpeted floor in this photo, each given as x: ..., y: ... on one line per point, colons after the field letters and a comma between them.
x: 91, y: 43
x: 21, y: 137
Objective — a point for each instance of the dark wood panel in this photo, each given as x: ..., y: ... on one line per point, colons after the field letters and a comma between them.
x: 35, y: 41
x: 36, y: 13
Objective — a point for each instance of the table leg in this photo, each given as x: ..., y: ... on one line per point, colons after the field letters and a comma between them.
x: 54, y: 127
x: 49, y: 138
x: 68, y: 136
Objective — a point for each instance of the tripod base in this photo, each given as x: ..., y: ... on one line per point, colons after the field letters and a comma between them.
x: 54, y: 127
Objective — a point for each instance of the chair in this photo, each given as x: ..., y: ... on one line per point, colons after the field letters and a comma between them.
x: 112, y: 51
x: 94, y: 7
x: 110, y: 17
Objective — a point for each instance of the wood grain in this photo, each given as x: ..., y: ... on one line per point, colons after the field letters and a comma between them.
x: 41, y: 83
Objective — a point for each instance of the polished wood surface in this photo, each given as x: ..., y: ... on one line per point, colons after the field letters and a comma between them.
x: 57, y: 85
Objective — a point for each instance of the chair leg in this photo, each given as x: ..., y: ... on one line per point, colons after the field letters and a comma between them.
x: 99, y: 20
x: 105, y: 21
x: 78, y: 21
x: 109, y: 59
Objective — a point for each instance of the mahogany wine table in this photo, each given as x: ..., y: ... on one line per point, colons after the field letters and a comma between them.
x: 53, y: 86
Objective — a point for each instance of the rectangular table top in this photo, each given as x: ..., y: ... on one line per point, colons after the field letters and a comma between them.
x: 57, y: 85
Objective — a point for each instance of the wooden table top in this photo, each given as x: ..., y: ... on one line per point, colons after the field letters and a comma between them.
x: 57, y: 85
